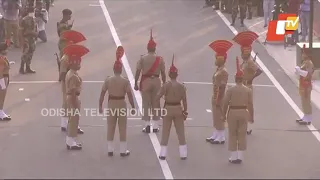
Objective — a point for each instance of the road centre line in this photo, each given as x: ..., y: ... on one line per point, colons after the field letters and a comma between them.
x: 153, y: 137
x: 274, y: 81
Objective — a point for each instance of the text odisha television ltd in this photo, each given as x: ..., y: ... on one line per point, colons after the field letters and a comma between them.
x: 95, y: 112
x: 286, y: 24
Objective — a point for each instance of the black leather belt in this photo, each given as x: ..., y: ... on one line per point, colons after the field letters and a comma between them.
x: 237, y: 107
x: 151, y: 75
x: 172, y: 103
x: 116, y: 97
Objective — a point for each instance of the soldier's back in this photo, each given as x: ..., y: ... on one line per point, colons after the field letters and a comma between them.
x: 174, y: 91
x: 240, y: 95
x: 147, y: 62
x: 117, y: 85
x: 72, y: 81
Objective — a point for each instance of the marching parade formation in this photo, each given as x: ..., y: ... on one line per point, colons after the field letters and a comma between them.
x: 232, y: 107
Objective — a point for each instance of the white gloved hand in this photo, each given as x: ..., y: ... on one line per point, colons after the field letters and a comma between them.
x: 12, y: 62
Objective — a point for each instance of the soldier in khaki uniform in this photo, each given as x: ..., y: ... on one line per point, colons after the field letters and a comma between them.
x: 236, y: 6
x: 238, y: 107
x: 305, y: 71
x: 174, y: 93
x: 71, y: 37
x: 248, y: 66
x: 220, y: 80
x: 150, y: 66
x: 118, y: 87
x: 62, y: 26
x: 4, y: 79
x: 73, y: 88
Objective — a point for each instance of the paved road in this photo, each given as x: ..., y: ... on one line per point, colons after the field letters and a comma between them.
x: 32, y: 146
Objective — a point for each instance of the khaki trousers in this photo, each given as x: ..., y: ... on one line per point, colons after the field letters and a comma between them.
x: 12, y: 29
x: 3, y: 93
x: 150, y: 88
x: 237, y: 129
x: 305, y: 94
x: 218, y: 122
x: 174, y: 114
x: 117, y: 110
x: 251, y: 87
x: 64, y: 97
x: 73, y: 114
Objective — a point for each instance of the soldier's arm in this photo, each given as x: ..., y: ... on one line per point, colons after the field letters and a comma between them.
x: 73, y: 83
x: 222, y: 86
x: 257, y: 71
x: 250, y: 104
x: 103, y: 92
x: 161, y: 92
x: 310, y: 70
x: 129, y: 94
x: 163, y: 71
x: 138, y: 71
x: 301, y: 72
x: 226, y: 101
x: 63, y: 68
x: 2, y: 64
x: 184, y: 99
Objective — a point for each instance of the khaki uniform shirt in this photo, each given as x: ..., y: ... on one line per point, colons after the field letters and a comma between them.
x: 238, y: 95
x: 73, y: 82
x: 116, y: 86
x: 305, y: 82
x: 5, y: 66
x: 64, y: 64
x: 146, y: 62
x: 249, y: 69
x: 220, y: 80
x: 173, y: 92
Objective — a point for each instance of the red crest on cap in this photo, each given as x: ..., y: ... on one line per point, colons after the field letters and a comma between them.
x: 73, y: 36
x: 151, y: 44
x: 119, y: 54
x: 239, y: 71
x: 173, y: 68
x: 245, y: 39
x: 75, y: 52
x: 221, y: 47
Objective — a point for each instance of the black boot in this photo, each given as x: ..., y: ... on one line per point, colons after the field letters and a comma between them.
x: 29, y: 70
x: 21, y: 71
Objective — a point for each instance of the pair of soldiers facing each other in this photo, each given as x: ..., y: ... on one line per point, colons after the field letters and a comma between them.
x: 220, y: 79
x: 236, y: 103
x: 71, y: 84
x: 150, y: 67
x: 4, y: 78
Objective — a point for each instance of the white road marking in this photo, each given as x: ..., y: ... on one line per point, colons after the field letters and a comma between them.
x: 274, y: 81
x: 208, y: 110
x: 208, y: 83
x: 27, y: 99
x: 153, y: 137
x: 20, y: 89
x: 94, y: 5
x: 50, y: 82
x: 257, y: 23
x: 263, y: 32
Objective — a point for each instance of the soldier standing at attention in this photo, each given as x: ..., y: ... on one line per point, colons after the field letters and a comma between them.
x: 73, y: 88
x: 71, y: 37
x: 118, y: 87
x: 174, y: 93
x: 62, y: 26
x: 220, y: 80
x: 29, y: 32
x: 150, y: 66
x: 249, y: 8
x: 236, y: 6
x: 248, y: 66
x: 238, y: 106
x: 305, y: 71
x: 4, y: 79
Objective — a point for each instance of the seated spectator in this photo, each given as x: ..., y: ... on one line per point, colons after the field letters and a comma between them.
x: 42, y: 18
